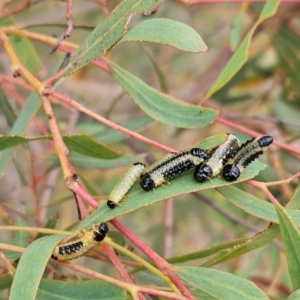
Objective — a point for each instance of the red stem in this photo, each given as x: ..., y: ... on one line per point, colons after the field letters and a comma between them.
x: 114, y: 259
x: 161, y: 264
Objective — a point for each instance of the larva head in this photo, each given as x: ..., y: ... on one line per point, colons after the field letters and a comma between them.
x: 111, y: 204
x: 101, y: 232
x: 139, y: 164
x: 199, y: 153
x: 231, y: 172
x: 265, y: 141
x: 147, y: 183
x: 202, y: 172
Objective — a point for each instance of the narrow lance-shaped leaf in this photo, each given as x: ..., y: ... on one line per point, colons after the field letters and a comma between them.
x: 255, y: 206
x: 108, y: 32
x: 167, y: 32
x: 39, y: 251
x: 240, y: 56
x: 221, y: 285
x: 82, y: 144
x: 252, y: 243
x: 159, y: 106
x: 291, y: 240
x: 137, y: 198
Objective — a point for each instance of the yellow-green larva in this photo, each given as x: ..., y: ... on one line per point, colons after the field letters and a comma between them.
x: 85, y: 241
x: 213, y: 165
x: 124, y: 184
x: 171, y: 166
x: 247, y: 153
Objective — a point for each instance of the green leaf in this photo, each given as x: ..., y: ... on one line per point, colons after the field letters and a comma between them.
x: 221, y: 285
x: 205, y: 252
x: 167, y: 32
x: 291, y: 240
x: 5, y: 281
x: 111, y: 135
x: 235, y: 28
x: 32, y: 266
x: 91, y: 290
x: 241, y: 54
x: 184, y: 184
x: 85, y: 145
x: 51, y: 223
x: 6, y: 109
x: 294, y: 202
x: 159, y: 106
x: 82, y: 144
x: 255, y: 206
x: 108, y: 32
x: 19, y: 238
x: 252, y: 243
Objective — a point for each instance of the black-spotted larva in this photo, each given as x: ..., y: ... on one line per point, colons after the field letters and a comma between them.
x: 171, y: 166
x: 86, y: 240
x: 124, y: 184
x: 247, y: 153
x: 218, y: 159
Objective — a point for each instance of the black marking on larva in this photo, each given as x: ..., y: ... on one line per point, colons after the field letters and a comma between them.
x: 247, y: 153
x: 171, y: 166
x: 125, y: 183
x: 86, y: 240
x: 218, y: 159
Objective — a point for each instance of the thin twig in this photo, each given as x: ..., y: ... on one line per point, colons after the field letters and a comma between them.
x: 67, y: 33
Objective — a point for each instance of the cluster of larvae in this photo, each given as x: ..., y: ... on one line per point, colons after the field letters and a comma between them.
x: 229, y: 157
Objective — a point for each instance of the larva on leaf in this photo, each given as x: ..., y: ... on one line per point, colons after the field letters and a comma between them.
x: 218, y: 159
x: 85, y: 241
x: 124, y: 184
x: 171, y: 166
x: 247, y: 153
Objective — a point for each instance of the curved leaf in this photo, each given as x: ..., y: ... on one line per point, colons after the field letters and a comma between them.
x: 252, y: 243
x: 137, y: 197
x: 159, y: 106
x: 82, y: 144
x: 241, y: 54
x: 32, y: 266
x: 108, y: 32
x: 255, y: 206
x: 167, y: 32
x: 221, y: 285
x: 291, y: 240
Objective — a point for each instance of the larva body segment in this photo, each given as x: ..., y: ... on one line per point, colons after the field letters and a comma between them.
x: 124, y: 184
x: 218, y: 159
x: 85, y: 241
x: 171, y: 166
x: 247, y: 153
